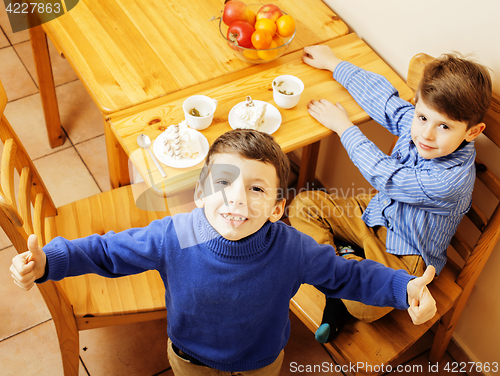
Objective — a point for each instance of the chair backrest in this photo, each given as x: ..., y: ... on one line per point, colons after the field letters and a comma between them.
x: 469, y: 254
x: 19, y: 220
x: 25, y: 215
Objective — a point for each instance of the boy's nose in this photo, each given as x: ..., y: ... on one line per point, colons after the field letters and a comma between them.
x: 236, y: 194
x: 428, y: 132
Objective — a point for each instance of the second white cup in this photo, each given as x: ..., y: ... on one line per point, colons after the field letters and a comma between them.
x: 287, y: 90
x: 199, y: 111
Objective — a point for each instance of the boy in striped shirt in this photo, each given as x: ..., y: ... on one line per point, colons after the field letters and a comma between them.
x: 424, y: 186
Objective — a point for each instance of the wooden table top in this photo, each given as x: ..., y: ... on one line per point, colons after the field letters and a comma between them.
x: 298, y: 128
x: 130, y: 52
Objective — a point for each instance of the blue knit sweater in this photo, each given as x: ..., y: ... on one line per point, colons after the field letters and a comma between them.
x: 228, y: 301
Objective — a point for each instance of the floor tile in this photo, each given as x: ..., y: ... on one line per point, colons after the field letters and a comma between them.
x: 14, y: 38
x: 66, y: 177
x: 63, y: 73
x: 4, y: 42
x: 80, y: 117
x: 4, y: 240
x: 15, y: 79
x: 25, y: 309
x: 33, y: 352
x: 128, y: 350
x: 93, y: 153
x: 26, y: 117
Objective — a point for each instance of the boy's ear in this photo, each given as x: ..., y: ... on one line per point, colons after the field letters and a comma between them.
x: 278, y: 211
x: 474, y: 131
x: 198, y: 195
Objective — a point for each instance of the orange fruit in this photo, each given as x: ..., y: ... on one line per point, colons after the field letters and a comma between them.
x: 266, y: 24
x: 251, y: 54
x: 261, y: 39
x: 285, y: 26
x: 251, y: 17
x: 278, y: 39
x: 268, y: 54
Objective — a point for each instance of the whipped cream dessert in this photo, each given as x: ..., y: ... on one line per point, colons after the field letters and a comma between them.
x: 179, y: 143
x: 251, y: 115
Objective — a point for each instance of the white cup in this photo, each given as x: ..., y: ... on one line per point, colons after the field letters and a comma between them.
x: 204, y: 106
x: 287, y: 90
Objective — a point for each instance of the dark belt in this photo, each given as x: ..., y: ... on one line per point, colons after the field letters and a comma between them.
x: 187, y: 357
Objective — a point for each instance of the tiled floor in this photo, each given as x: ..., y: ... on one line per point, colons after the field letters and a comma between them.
x: 28, y: 344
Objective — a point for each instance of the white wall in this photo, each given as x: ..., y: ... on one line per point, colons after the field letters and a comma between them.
x: 397, y: 30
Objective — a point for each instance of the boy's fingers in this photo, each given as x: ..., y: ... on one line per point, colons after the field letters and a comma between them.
x: 20, y: 263
x: 428, y: 276
x: 33, y: 246
x: 339, y: 106
x: 22, y: 273
x: 421, y: 282
x: 25, y: 286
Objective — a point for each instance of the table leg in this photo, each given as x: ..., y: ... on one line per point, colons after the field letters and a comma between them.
x: 117, y: 159
x: 46, y: 86
x: 308, y: 163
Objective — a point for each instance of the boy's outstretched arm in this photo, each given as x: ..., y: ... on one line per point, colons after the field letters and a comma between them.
x: 422, y: 304
x: 29, y: 266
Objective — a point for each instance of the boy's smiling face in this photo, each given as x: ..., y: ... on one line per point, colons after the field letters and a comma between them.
x: 239, y: 195
x: 435, y: 135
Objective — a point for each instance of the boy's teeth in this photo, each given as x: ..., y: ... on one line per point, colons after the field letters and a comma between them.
x: 233, y: 218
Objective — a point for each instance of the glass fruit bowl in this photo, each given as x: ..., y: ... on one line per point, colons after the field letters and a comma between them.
x: 251, y: 55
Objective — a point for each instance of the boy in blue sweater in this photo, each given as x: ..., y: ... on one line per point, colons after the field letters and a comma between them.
x: 424, y: 186
x: 230, y: 267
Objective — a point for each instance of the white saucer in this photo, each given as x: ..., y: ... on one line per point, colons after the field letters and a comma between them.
x: 272, y: 119
x: 159, y: 150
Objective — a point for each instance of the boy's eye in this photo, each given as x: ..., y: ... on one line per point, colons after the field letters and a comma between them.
x: 422, y: 118
x: 257, y: 189
x: 444, y: 126
x: 223, y: 182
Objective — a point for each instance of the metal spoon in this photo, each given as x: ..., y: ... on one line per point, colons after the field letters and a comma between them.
x: 145, y: 142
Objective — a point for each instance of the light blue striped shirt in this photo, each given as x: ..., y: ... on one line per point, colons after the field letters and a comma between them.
x: 420, y: 201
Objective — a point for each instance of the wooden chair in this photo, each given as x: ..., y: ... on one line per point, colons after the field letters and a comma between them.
x: 89, y: 301
x: 383, y: 341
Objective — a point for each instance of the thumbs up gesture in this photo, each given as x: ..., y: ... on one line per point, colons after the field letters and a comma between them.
x: 29, y: 266
x: 422, y: 304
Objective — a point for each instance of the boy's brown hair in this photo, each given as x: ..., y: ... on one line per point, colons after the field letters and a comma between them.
x: 252, y: 144
x: 457, y: 87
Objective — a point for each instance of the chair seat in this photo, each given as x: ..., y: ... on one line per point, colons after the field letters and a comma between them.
x: 392, y: 334
x: 93, y: 297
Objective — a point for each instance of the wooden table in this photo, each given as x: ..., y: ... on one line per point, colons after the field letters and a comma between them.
x: 129, y: 52
x: 298, y: 128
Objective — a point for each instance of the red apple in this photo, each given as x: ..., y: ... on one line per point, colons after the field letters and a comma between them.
x: 270, y: 11
x: 240, y: 33
x: 235, y: 10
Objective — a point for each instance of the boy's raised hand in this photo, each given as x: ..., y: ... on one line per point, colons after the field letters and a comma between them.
x: 422, y: 304
x: 29, y: 266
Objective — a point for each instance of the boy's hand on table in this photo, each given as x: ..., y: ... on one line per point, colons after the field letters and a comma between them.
x: 332, y: 116
x: 422, y: 304
x: 29, y: 266
x: 321, y: 57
